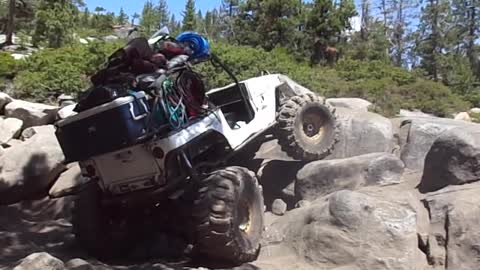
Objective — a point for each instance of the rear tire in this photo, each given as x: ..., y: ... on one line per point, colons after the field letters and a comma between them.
x: 229, y: 214
x: 307, y: 128
x: 95, y: 230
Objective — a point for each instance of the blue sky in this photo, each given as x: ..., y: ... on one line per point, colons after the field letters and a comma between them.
x: 132, y: 6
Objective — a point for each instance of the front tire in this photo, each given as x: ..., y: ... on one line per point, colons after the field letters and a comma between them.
x: 229, y: 214
x: 307, y: 128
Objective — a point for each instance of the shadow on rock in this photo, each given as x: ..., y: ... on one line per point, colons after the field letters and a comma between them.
x: 30, y: 227
x: 277, y: 177
x: 32, y: 183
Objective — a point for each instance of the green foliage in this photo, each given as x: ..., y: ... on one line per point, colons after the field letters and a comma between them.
x: 163, y: 14
x: 435, y: 17
x: 50, y: 72
x: 375, y: 47
x: 55, y: 22
x: 475, y: 117
x: 327, y: 19
x: 148, y: 21
x: 354, y: 70
x: 432, y: 97
x: 189, y: 16
x: 8, y: 65
x: 122, y: 17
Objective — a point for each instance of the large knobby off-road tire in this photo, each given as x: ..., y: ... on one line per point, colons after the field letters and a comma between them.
x: 94, y: 227
x: 306, y: 128
x: 229, y: 214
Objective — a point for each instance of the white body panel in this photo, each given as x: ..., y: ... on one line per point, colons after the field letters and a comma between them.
x: 136, y: 168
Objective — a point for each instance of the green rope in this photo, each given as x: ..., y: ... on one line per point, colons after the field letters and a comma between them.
x: 173, y: 105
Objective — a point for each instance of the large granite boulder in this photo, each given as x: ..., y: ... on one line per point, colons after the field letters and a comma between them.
x: 347, y: 230
x: 454, y: 159
x: 32, y: 114
x: 420, y: 134
x: 362, y: 133
x: 28, y: 169
x: 454, y: 239
x: 40, y: 261
x: 323, y: 177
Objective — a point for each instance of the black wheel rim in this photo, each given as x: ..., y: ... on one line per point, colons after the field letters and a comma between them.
x: 313, y: 122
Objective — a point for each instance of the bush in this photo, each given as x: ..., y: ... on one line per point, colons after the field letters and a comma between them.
x: 8, y: 65
x: 432, y: 97
x: 51, y: 72
x: 354, y: 70
x: 475, y: 117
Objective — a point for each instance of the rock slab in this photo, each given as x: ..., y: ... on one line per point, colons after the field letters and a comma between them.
x: 356, y: 104
x: 421, y: 133
x: 10, y: 128
x: 349, y: 230
x: 40, y: 261
x: 454, y: 159
x: 32, y: 114
x: 362, y: 133
x: 455, y: 238
x: 28, y: 169
x: 323, y: 177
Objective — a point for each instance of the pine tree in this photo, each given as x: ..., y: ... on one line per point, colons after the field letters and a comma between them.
x: 432, y: 32
x: 230, y: 6
x: 366, y: 20
x: 55, y: 22
x: 163, y: 13
x: 172, y: 24
x: 189, y: 16
x: 200, y: 23
x: 148, y: 21
x: 278, y: 22
x: 266, y: 23
x: 401, y: 29
x: 225, y: 20
x: 326, y: 21
x: 135, y: 17
x: 466, y: 30
x: 122, y: 17
x: 99, y: 10
x: 209, y: 24
x: 85, y: 19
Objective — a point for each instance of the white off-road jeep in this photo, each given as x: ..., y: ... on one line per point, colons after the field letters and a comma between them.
x: 183, y: 180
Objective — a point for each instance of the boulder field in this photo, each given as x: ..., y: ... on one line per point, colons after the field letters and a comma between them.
x: 396, y: 194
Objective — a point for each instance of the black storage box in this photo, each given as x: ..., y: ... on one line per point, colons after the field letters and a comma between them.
x: 106, y: 128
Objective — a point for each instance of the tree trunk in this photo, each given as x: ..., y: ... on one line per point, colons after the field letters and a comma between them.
x: 365, y: 24
x: 399, y: 29
x: 10, y: 22
x: 435, y: 40
x: 471, y: 36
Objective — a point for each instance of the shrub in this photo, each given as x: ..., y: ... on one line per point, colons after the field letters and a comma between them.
x: 475, y: 117
x: 8, y: 65
x: 354, y: 70
x: 51, y: 72
x: 432, y: 97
